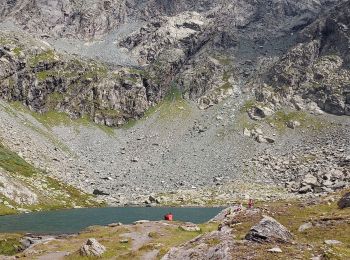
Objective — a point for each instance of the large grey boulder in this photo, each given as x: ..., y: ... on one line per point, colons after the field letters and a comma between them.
x: 92, y: 248
x: 257, y: 113
x: 344, y: 202
x: 269, y: 230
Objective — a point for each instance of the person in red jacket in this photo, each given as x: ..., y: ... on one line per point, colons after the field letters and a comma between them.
x: 250, y: 204
x: 169, y: 217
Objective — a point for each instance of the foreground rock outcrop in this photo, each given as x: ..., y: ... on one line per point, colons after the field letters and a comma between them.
x: 92, y: 248
x: 269, y: 230
x: 344, y: 202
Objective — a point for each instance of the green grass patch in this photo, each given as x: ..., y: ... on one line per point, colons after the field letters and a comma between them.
x: 130, y: 123
x: 17, y: 166
x: 75, y: 196
x: 12, y: 163
x: 9, y: 244
x: 281, y: 118
x: 17, y: 51
x: 249, y: 104
x: 226, y: 86
x: 226, y: 76
x: 109, y: 112
x: 176, y: 237
x: 53, y: 118
x: 4, y: 41
x: 172, y: 106
x: 43, y: 75
x: 224, y: 61
x: 6, y: 211
x: 95, y: 71
x: 54, y: 99
x: 46, y: 56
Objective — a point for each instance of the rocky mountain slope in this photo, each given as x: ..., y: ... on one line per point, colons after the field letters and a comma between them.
x: 83, y: 19
x: 315, y: 73
x: 206, y: 95
x: 24, y: 188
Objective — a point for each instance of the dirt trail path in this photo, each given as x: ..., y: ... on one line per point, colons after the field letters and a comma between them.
x: 53, y: 256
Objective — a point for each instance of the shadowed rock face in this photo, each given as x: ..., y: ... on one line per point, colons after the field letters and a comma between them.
x: 317, y: 69
x: 344, y: 202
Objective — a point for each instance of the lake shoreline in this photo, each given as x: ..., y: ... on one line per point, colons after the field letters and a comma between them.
x: 70, y: 221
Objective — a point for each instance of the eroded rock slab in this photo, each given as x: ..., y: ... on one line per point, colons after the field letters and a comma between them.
x: 344, y: 202
x: 269, y: 230
x: 92, y: 248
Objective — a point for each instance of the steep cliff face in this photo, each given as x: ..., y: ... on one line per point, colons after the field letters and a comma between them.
x: 43, y: 80
x: 207, y: 49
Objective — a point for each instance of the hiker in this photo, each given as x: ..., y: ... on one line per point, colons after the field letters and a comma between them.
x: 168, y: 217
x: 250, y: 204
x: 228, y: 213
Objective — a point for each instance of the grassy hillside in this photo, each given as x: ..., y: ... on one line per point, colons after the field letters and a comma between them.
x: 24, y: 187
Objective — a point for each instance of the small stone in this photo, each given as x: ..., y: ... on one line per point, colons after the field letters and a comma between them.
x: 327, y: 183
x: 141, y: 222
x: 190, y: 227
x: 275, y: 250
x: 332, y: 242
x: 311, y: 180
x: 269, y: 140
x: 338, y: 185
x: 305, y: 226
x: 247, y: 132
x: 293, y: 124
x: 99, y: 192
x: 305, y: 189
x: 260, y: 139
x: 115, y: 224
x: 153, y: 199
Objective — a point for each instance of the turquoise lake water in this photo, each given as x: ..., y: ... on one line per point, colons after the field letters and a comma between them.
x: 74, y: 220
